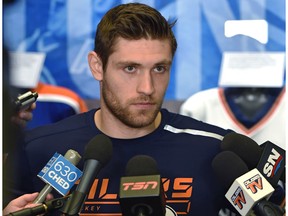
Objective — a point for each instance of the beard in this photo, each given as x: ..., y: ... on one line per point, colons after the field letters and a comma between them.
x: 131, y: 118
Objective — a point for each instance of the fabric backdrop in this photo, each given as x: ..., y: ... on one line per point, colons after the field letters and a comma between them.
x: 65, y: 29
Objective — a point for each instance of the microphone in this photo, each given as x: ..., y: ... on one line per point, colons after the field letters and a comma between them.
x: 73, y: 157
x: 141, y: 190
x: 247, y: 191
x: 46, y: 207
x: 24, y: 101
x: 98, y: 153
x: 269, y: 160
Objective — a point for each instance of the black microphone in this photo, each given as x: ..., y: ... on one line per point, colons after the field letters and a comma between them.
x: 73, y: 157
x: 269, y: 159
x: 227, y: 167
x: 98, y: 153
x: 141, y: 190
x: 24, y: 101
x: 247, y: 191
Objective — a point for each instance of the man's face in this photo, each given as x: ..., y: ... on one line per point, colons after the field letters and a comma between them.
x: 135, y: 81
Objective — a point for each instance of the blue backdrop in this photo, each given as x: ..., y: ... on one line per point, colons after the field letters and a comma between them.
x: 65, y: 30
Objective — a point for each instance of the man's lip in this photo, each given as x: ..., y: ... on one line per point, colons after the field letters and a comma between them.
x: 144, y: 104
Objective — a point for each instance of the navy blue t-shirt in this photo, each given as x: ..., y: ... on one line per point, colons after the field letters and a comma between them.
x: 182, y: 147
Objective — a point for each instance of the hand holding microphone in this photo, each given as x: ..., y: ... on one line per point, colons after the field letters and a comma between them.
x: 21, y: 202
x: 43, y: 208
x: 22, y: 107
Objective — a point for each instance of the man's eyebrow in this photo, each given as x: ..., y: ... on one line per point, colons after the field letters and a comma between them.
x: 125, y: 63
x: 164, y: 62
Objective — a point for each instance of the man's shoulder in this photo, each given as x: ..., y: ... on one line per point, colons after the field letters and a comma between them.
x: 68, y: 126
x: 188, y: 123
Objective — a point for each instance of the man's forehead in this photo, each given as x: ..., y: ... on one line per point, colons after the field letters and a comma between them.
x: 123, y: 42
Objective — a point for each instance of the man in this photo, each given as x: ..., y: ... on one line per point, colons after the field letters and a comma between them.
x: 134, y: 49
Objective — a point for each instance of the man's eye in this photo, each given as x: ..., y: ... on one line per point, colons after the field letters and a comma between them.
x: 130, y: 69
x: 159, y: 69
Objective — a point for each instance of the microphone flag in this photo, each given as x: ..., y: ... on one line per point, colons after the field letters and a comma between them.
x: 60, y: 173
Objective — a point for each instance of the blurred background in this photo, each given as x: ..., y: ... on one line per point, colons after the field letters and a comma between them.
x: 64, y: 31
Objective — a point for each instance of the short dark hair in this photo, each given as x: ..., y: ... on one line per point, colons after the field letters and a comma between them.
x: 131, y: 21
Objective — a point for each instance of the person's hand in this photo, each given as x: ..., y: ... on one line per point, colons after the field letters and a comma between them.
x: 24, y: 201
x: 23, y: 116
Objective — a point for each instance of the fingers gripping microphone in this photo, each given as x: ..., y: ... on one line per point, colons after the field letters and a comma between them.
x: 46, y: 207
x: 141, y: 190
x: 73, y: 157
x: 246, y: 190
x: 98, y: 153
x: 269, y: 160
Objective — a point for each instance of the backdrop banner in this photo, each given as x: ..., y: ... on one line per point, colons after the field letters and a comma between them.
x: 65, y: 30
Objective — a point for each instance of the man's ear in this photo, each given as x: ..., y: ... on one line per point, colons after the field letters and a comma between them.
x: 95, y: 65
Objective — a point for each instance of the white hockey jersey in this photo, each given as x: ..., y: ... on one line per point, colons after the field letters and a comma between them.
x: 212, y: 106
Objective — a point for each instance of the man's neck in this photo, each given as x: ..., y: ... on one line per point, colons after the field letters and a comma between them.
x: 113, y: 127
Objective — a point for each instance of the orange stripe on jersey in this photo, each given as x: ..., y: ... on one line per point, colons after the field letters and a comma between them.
x: 48, y: 92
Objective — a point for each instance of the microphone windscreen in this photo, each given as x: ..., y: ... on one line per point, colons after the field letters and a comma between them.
x: 227, y: 167
x: 141, y: 165
x: 99, y: 148
x: 245, y: 147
